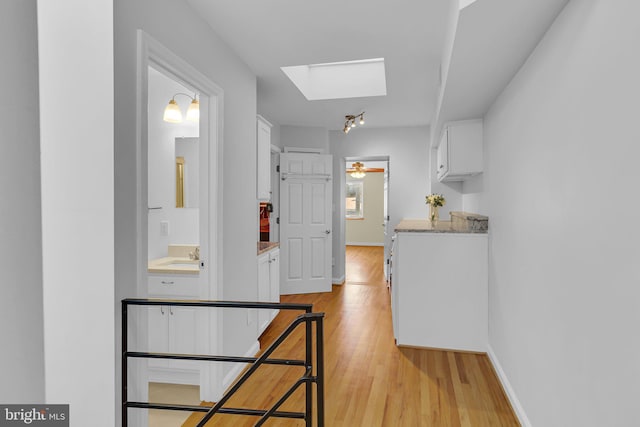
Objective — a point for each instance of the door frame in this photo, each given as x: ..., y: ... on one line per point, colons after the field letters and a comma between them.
x: 153, y: 53
x: 343, y: 220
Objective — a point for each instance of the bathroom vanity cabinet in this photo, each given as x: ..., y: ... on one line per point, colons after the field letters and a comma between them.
x: 173, y: 329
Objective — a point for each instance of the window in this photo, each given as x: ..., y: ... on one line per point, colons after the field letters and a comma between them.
x: 354, y: 200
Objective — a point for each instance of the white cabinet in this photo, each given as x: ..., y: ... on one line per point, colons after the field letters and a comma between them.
x: 263, y: 167
x: 459, y: 154
x: 274, y: 279
x: 173, y: 329
x: 440, y: 290
x: 264, y: 290
x: 268, y: 285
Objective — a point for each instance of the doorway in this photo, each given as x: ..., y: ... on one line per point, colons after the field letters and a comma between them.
x: 366, y: 219
x: 180, y: 200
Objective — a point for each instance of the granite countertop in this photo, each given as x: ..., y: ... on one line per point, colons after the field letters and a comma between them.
x: 461, y: 222
x: 267, y: 246
x: 173, y: 265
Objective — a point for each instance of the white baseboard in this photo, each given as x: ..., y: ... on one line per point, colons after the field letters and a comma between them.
x: 338, y: 280
x: 511, y: 394
x: 174, y: 376
x: 239, y: 367
x: 364, y: 244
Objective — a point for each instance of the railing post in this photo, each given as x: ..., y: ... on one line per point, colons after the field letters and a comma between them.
x: 320, y: 371
x: 125, y: 398
x: 309, y: 362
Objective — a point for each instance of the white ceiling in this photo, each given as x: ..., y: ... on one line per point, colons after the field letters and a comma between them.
x: 408, y: 34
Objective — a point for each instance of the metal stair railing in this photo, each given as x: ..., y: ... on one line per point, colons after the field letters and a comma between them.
x: 307, y: 379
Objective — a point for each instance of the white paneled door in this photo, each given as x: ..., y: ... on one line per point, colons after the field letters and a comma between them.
x: 305, y: 223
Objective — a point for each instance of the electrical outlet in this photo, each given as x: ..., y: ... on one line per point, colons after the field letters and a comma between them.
x: 164, y: 228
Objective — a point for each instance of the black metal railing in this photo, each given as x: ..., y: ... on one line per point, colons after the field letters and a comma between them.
x: 307, y: 379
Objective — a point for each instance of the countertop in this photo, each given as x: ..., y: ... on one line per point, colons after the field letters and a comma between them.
x: 426, y: 226
x: 267, y: 246
x: 173, y: 265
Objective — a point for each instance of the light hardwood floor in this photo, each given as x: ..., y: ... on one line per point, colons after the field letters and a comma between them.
x: 171, y: 393
x: 369, y: 380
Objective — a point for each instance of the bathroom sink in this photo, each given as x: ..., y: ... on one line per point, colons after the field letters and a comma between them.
x: 176, y: 265
x: 182, y: 265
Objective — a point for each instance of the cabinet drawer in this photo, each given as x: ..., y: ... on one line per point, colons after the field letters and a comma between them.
x: 174, y: 285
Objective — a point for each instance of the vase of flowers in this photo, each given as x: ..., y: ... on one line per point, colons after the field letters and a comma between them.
x: 434, y: 201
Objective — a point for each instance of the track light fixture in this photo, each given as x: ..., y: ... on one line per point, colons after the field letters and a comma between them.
x: 350, y: 121
x: 172, y: 113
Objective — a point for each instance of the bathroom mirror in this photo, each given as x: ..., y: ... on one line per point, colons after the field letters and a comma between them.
x: 187, y: 174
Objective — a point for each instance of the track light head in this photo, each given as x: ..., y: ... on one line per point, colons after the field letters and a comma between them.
x: 350, y: 121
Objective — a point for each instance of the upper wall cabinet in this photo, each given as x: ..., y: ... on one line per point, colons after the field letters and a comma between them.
x: 264, y: 160
x: 460, y: 151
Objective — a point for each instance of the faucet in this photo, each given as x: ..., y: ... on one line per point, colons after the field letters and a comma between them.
x: 195, y: 254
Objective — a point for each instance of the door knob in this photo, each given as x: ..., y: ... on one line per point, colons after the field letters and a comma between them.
x: 327, y: 231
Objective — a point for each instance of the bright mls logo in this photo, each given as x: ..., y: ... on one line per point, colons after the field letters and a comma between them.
x: 36, y: 415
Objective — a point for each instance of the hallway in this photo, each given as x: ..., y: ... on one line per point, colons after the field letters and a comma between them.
x: 369, y: 380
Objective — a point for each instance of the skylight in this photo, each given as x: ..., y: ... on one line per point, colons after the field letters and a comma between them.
x: 465, y: 3
x: 336, y: 80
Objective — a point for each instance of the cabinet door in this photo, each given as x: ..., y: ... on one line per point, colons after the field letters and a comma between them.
x: 274, y: 279
x: 264, y: 160
x: 182, y: 335
x: 171, y: 286
x: 158, y: 334
x: 465, y: 148
x: 443, y: 154
x: 264, y: 316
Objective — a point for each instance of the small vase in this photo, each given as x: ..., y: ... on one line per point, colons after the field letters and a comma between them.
x: 433, y: 214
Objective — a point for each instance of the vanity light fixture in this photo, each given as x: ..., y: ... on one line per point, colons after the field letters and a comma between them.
x: 358, y: 170
x: 350, y: 121
x: 172, y: 113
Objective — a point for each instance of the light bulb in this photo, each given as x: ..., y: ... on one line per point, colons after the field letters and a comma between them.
x: 361, y: 120
x: 172, y: 113
x: 353, y: 123
x: 193, y: 113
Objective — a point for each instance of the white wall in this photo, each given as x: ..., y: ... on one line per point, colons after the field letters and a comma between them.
x: 451, y: 190
x: 199, y: 46
x: 21, y: 318
x: 368, y: 230
x: 304, y: 136
x: 407, y: 149
x: 76, y: 126
x: 561, y: 185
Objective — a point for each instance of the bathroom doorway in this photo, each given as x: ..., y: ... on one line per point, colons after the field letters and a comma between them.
x: 174, y: 173
x: 180, y: 216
